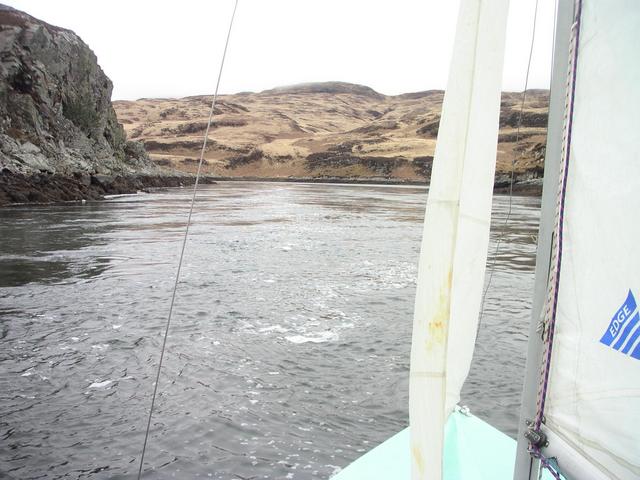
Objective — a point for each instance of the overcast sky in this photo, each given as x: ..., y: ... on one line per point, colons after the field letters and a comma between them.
x: 173, y: 48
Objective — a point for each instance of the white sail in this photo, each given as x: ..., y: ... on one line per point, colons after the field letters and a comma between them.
x: 456, y: 233
x: 593, y: 401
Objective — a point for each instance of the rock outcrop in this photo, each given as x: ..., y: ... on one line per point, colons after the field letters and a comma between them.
x: 57, y: 123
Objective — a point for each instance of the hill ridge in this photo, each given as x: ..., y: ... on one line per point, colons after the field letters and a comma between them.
x: 323, y: 130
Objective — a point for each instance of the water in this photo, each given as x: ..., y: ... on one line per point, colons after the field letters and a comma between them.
x: 288, y: 355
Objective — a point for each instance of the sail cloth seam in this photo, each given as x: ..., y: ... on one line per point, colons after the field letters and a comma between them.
x: 184, y: 243
x: 514, y: 160
x: 556, y: 254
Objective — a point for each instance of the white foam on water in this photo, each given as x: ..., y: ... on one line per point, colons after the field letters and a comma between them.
x: 320, y: 337
x: 28, y: 373
x: 274, y: 328
x: 336, y: 470
x: 273, y: 373
x: 75, y: 339
x: 116, y: 327
x: 101, y: 384
x: 102, y: 346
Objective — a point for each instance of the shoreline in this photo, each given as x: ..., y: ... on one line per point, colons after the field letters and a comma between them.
x: 527, y: 187
x: 42, y: 188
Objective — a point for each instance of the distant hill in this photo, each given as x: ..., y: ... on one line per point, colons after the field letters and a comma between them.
x: 323, y: 130
x: 325, y: 87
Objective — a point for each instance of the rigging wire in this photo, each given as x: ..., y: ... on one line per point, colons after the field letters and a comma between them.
x: 184, y: 243
x: 512, y: 173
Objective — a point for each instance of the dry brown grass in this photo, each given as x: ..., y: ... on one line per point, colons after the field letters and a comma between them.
x: 350, y: 132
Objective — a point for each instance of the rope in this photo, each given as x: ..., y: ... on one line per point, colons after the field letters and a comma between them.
x: 556, y: 254
x: 512, y: 174
x: 546, y: 463
x: 184, y: 243
x: 549, y: 323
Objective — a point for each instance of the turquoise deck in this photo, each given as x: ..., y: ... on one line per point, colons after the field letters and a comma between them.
x: 473, y: 450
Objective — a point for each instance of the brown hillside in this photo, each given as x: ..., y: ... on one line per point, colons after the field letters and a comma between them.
x: 322, y: 130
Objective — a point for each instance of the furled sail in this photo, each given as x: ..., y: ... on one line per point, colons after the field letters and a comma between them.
x: 456, y: 233
x: 592, y: 405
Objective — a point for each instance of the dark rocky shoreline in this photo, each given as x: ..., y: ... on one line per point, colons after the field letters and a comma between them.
x: 50, y: 188
x: 522, y: 185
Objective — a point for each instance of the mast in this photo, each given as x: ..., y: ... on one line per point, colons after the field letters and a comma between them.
x: 526, y: 467
x: 588, y: 401
x: 456, y: 234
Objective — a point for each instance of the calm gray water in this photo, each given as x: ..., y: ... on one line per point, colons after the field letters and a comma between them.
x: 288, y: 355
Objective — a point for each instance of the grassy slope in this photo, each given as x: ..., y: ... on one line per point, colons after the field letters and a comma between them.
x: 320, y: 130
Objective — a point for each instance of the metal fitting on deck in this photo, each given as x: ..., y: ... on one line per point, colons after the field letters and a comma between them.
x: 536, y: 437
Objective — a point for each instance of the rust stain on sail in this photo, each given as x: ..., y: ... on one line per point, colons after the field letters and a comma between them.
x: 417, y: 459
x: 437, y: 327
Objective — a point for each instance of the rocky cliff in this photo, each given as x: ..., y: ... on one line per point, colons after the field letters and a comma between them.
x: 59, y: 135
x: 327, y: 131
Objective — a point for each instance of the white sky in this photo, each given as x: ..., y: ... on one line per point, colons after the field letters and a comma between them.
x: 172, y: 49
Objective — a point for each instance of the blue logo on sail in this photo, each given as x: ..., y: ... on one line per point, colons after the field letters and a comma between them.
x: 624, y: 330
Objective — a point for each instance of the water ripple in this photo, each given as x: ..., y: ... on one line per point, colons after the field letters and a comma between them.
x: 288, y: 356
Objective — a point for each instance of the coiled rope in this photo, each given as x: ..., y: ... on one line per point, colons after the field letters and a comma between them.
x: 184, y: 243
